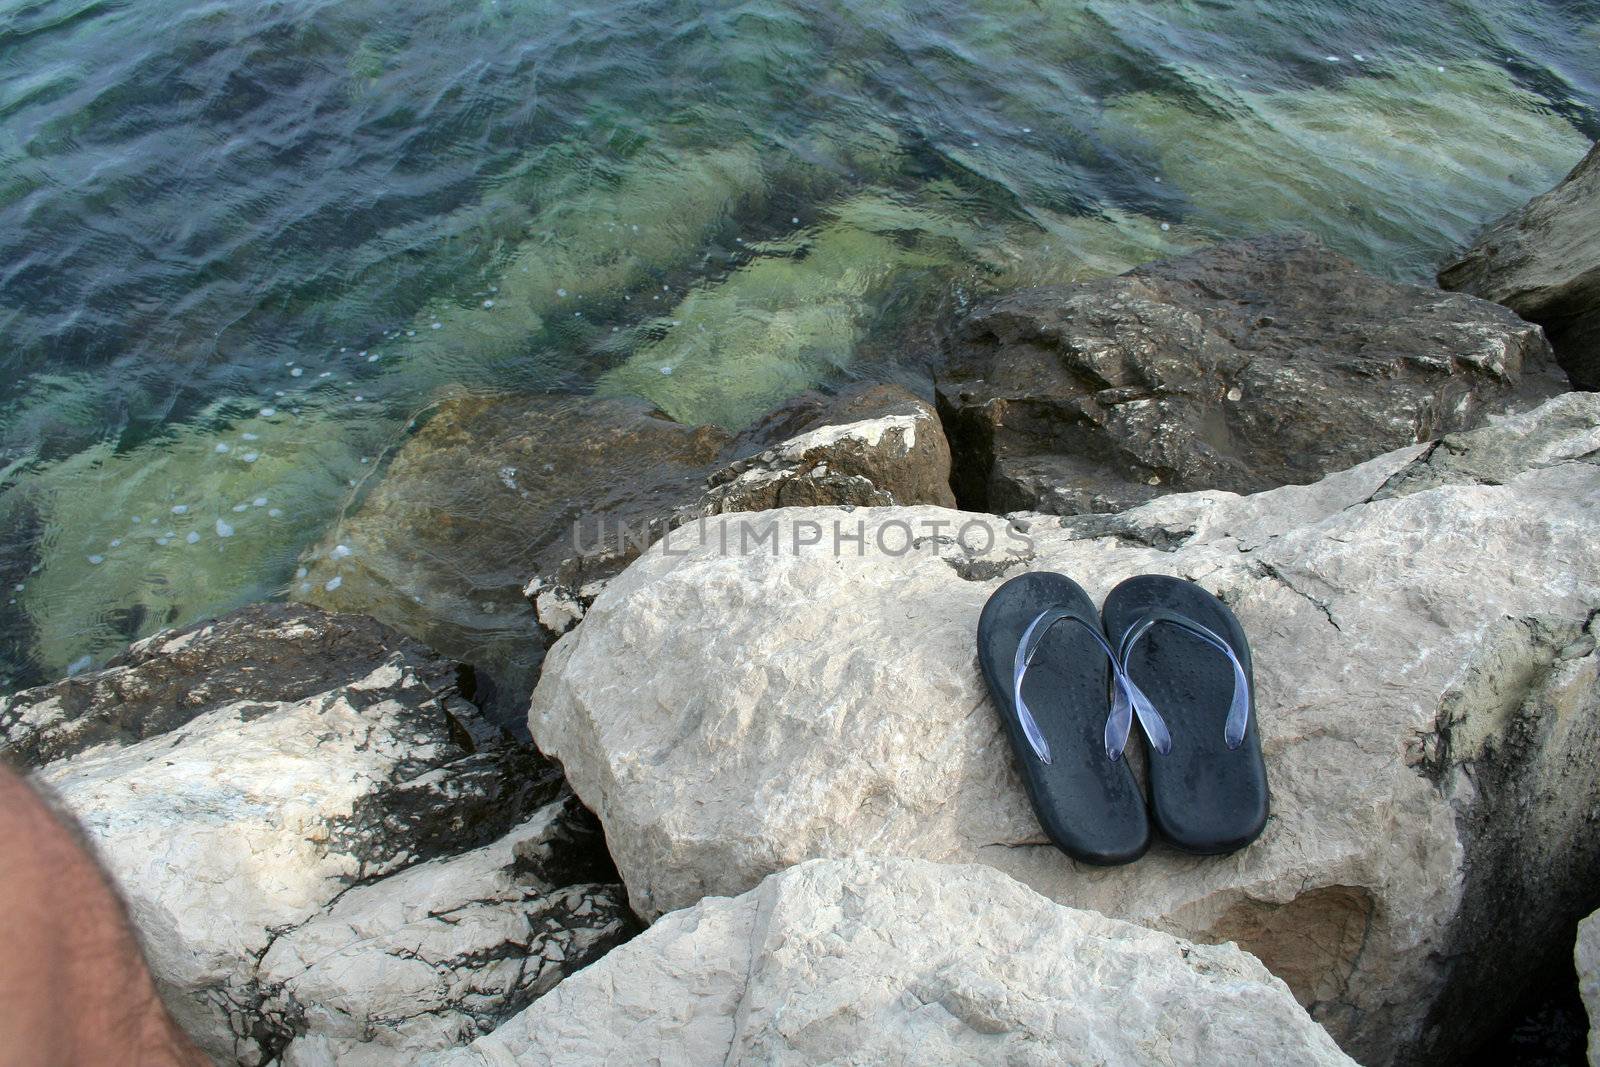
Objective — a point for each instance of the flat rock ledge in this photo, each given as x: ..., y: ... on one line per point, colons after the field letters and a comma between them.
x: 1424, y: 631
x: 328, y: 853
x: 880, y: 961
x: 1244, y: 366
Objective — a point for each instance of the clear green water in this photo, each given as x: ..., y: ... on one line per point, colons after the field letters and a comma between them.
x: 243, y: 244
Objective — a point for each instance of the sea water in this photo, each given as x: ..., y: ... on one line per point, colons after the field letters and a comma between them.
x: 245, y: 245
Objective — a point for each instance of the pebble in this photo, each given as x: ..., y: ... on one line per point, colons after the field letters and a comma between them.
x: 1236, y: 394
x: 1166, y: 225
x: 193, y: 538
x: 97, y: 560
x: 488, y: 303
x: 241, y: 507
x: 562, y: 293
x: 795, y: 220
x: 666, y: 370
x: 250, y: 457
x: 276, y: 513
x: 333, y: 583
x: 437, y: 326
x: 223, y: 529
x: 297, y: 372
x: 221, y: 447
x: 249, y: 437
x: 180, y: 509
x: 340, y: 551
x: 116, y: 542
x: 372, y: 358
x: 267, y: 413
x: 260, y: 501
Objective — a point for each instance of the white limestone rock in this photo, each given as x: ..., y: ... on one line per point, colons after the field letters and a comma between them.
x: 895, y: 961
x: 1423, y: 631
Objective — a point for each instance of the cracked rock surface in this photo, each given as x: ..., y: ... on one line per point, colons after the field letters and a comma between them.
x: 873, y: 960
x: 1429, y: 694
x: 1245, y: 366
x: 319, y: 839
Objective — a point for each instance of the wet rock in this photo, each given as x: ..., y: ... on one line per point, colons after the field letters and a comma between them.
x: 1245, y: 366
x: 1429, y: 695
x: 861, y: 960
x: 1543, y: 262
x: 503, y: 517
x: 266, y: 654
x: 494, y: 489
x: 873, y: 446
x: 319, y: 838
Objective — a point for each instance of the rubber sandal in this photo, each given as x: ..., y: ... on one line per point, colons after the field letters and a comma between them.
x: 1183, y: 648
x: 1068, y: 714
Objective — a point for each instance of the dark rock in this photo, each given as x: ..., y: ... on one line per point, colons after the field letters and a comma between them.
x: 1242, y: 367
x: 874, y: 445
x: 498, y: 522
x: 491, y: 490
x: 267, y: 653
x: 1543, y: 262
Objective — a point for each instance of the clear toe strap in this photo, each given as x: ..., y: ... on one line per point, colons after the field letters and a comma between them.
x: 1238, y: 707
x: 1127, y: 700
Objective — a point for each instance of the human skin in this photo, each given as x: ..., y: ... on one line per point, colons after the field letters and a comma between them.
x: 74, y: 988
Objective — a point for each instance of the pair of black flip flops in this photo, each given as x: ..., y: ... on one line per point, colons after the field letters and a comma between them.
x: 1070, y: 680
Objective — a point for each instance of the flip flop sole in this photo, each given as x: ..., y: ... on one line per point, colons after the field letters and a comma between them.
x: 1204, y: 797
x: 1088, y: 805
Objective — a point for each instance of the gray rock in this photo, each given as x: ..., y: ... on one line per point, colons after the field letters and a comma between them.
x: 501, y: 518
x: 874, y: 446
x: 867, y: 446
x: 1429, y: 697
x: 322, y: 843
x: 433, y: 956
x: 491, y: 490
x: 894, y: 961
x: 1543, y: 262
x: 1242, y: 367
x: 1586, y: 956
x: 268, y: 653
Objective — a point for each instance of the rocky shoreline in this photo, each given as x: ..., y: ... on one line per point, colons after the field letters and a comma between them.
x: 759, y: 808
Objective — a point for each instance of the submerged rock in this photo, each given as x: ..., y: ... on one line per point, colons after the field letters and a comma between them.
x: 1543, y: 262
x: 1428, y: 688
x: 1242, y: 367
x: 319, y: 839
x: 873, y: 960
x: 495, y: 489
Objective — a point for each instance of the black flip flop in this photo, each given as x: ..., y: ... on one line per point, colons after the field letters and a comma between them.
x: 1184, y: 648
x: 1050, y: 672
